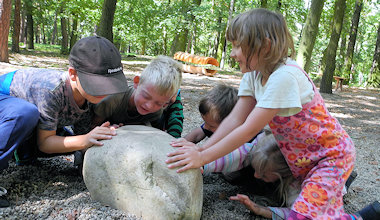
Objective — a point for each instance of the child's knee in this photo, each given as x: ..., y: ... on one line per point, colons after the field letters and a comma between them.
x: 26, y: 114
x: 31, y: 113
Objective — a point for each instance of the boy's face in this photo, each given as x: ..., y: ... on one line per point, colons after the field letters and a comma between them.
x: 147, y: 100
x: 85, y: 96
x: 210, y: 123
x: 90, y: 98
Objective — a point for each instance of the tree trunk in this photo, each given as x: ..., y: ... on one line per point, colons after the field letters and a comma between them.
x: 342, y: 47
x: 5, y: 19
x: 16, y: 27
x: 180, y: 39
x: 330, y: 55
x: 165, y: 41
x: 106, y: 21
x: 65, y: 37
x: 37, y: 34
x: 43, y: 34
x: 232, y: 4
x: 194, y: 38
x: 74, y: 32
x: 29, y: 24
x: 217, y: 39
x: 64, y: 42
x: 23, y: 27
x: 309, y: 34
x: 374, y: 74
x: 54, y: 34
x: 179, y: 42
x: 352, y: 41
x: 279, y: 4
x: 143, y: 46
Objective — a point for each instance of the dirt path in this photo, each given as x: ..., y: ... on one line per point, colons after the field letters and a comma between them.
x: 52, y: 188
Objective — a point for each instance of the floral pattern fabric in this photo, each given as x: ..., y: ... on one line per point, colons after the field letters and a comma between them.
x: 320, y: 154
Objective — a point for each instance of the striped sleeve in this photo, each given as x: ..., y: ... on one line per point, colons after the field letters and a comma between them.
x: 233, y: 161
x: 174, y: 118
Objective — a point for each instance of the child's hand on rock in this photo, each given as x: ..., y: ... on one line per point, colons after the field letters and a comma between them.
x: 182, y: 142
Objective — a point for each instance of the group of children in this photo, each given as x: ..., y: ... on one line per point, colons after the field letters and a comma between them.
x: 47, y: 112
x: 306, y: 150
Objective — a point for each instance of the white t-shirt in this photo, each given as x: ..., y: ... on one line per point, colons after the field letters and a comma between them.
x: 287, y: 88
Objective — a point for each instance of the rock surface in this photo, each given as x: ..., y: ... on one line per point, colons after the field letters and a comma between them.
x: 129, y: 173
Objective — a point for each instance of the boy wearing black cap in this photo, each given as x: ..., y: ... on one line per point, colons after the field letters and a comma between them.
x: 144, y: 102
x: 48, y: 100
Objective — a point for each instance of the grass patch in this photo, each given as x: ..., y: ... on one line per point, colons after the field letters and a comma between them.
x: 42, y: 50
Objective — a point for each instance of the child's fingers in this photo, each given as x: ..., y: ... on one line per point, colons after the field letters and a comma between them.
x: 240, y: 197
x: 181, y: 151
x: 176, y: 164
x: 245, y: 200
x: 182, y: 169
x: 176, y: 144
x: 104, y: 130
x: 178, y: 140
x: 175, y: 158
x: 96, y: 142
x: 105, y: 124
x: 235, y: 198
x: 174, y: 153
x: 114, y: 126
x: 102, y: 136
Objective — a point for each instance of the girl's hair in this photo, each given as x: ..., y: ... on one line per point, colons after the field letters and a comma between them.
x: 164, y: 73
x: 250, y: 31
x: 219, y: 102
x: 267, y: 157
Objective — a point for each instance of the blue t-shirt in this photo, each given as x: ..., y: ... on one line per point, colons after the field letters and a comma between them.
x: 51, y: 92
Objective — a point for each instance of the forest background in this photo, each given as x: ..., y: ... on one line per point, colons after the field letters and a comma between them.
x: 332, y: 37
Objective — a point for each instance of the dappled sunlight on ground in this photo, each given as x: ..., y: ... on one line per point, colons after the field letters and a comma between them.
x: 340, y: 115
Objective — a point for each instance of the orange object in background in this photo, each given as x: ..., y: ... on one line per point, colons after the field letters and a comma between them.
x: 195, y: 59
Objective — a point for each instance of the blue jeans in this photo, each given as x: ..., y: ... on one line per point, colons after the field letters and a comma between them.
x: 18, y: 119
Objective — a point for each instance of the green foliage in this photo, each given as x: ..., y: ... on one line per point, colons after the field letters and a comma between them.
x: 150, y: 26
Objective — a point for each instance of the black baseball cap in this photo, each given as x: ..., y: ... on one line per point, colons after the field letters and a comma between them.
x: 98, y: 65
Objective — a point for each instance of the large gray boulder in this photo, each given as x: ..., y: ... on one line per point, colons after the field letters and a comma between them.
x: 129, y: 173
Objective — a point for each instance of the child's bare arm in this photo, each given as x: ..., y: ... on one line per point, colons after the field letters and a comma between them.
x: 254, y: 123
x: 193, y: 158
x: 255, y: 208
x: 49, y: 142
x: 195, y: 135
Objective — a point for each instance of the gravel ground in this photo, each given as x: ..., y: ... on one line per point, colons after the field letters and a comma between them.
x: 53, y: 189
